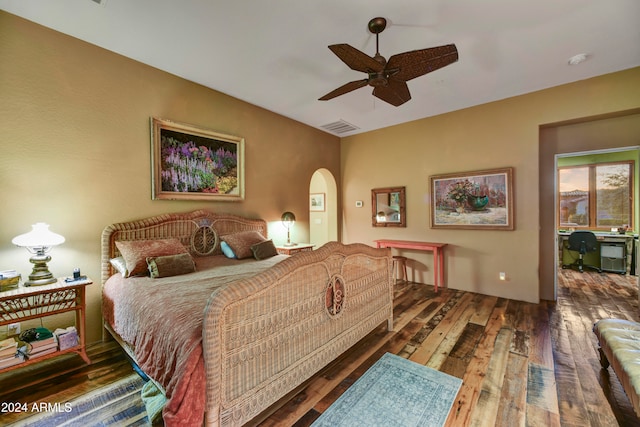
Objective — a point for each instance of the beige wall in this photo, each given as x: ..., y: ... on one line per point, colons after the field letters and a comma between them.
x: 494, y: 135
x: 75, y: 142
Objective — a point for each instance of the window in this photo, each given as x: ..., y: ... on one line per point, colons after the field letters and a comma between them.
x: 596, y: 196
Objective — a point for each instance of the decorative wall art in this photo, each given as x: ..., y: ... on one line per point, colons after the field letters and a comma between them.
x: 316, y: 202
x: 480, y: 200
x: 192, y: 163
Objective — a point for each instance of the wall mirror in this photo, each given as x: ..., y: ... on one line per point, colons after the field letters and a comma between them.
x: 387, y: 207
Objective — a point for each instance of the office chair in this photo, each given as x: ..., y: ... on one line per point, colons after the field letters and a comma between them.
x: 582, y: 242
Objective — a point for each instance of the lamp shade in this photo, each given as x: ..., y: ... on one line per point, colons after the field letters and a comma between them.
x: 38, y: 237
x: 288, y: 218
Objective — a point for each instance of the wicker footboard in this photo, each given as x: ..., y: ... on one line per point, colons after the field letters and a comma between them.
x: 266, y: 335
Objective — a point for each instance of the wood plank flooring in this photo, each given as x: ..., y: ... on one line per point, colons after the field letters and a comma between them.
x: 522, y: 364
x: 61, y: 379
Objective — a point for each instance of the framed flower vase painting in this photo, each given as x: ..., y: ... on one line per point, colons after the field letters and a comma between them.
x: 480, y: 200
x: 192, y: 163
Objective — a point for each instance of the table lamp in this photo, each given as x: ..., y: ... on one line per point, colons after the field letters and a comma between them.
x: 288, y: 218
x: 39, y: 241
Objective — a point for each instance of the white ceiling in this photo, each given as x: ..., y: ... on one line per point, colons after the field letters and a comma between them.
x: 273, y: 53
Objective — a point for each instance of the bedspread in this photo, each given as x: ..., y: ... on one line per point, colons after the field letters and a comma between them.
x: 162, y: 320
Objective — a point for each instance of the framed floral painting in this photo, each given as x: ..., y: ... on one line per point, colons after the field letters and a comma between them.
x: 192, y: 163
x: 480, y: 200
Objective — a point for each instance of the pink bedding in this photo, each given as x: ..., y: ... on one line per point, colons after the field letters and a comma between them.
x: 162, y: 320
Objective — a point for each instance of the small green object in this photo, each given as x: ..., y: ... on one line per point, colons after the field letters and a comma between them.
x: 43, y: 333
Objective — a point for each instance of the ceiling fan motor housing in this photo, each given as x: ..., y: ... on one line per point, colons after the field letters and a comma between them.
x: 377, y: 79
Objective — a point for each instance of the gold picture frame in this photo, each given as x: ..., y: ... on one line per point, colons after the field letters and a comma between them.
x: 193, y: 163
x: 478, y: 200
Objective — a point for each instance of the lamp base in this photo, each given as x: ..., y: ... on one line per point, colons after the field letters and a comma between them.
x: 40, y: 274
x: 289, y: 244
x: 40, y: 282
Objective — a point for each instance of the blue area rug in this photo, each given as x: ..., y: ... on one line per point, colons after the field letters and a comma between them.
x: 394, y: 392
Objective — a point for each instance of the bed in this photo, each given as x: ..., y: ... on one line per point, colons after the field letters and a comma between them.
x: 229, y: 338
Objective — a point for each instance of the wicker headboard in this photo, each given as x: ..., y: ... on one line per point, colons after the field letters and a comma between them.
x: 182, y: 226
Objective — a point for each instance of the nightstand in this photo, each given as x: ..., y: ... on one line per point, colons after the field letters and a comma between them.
x: 34, y: 302
x: 294, y: 249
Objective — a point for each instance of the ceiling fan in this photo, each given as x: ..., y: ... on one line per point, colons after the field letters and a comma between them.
x: 389, y: 78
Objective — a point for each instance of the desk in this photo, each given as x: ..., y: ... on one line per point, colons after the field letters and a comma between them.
x: 627, y: 239
x: 436, y: 248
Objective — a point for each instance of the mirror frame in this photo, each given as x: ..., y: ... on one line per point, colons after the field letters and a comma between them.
x: 401, y: 202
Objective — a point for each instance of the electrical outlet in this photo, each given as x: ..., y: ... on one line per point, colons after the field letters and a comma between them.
x: 503, y: 276
x: 13, y: 329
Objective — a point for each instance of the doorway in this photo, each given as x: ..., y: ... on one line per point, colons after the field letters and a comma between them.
x: 589, y: 134
x: 323, y: 220
x: 595, y: 158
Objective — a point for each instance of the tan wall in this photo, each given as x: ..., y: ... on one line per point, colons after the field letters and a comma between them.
x: 494, y: 135
x: 76, y: 148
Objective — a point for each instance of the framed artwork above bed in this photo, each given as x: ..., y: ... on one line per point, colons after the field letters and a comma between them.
x: 193, y: 163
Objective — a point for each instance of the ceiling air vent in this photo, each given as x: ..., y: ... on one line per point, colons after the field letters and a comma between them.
x: 339, y: 127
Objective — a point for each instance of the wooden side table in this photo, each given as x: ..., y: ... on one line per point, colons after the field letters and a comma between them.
x: 298, y: 247
x: 34, y: 302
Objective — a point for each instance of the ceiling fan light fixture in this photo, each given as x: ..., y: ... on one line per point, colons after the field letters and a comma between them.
x: 578, y: 59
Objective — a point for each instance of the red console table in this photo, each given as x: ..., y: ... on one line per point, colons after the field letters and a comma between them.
x: 436, y: 248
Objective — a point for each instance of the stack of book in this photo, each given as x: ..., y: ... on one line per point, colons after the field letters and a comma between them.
x: 9, y: 353
x: 39, y: 348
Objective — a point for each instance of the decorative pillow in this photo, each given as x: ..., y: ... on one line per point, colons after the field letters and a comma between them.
x: 264, y: 250
x: 226, y: 250
x: 241, y: 242
x: 170, y: 265
x: 120, y: 265
x: 135, y: 252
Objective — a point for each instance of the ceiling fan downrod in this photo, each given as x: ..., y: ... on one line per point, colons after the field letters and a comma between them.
x: 376, y: 26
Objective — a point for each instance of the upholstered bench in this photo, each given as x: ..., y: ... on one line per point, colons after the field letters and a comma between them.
x: 620, y: 346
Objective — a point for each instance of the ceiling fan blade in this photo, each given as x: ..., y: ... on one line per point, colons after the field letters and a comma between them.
x: 348, y: 87
x: 396, y: 92
x: 420, y: 62
x: 355, y: 59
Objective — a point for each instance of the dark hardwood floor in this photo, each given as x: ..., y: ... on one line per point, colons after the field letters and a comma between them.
x: 522, y: 364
